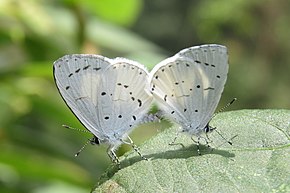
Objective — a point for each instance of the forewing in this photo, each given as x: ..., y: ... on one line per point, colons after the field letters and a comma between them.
x: 188, y: 86
x: 124, y: 96
x: 78, y: 80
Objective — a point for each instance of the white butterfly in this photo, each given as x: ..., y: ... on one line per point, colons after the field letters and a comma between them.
x: 108, y: 96
x: 187, y: 87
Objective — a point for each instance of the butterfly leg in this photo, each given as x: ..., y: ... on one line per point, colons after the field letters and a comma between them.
x: 198, y: 144
x: 113, y: 156
x: 174, y: 140
x: 208, y: 141
x: 135, y: 147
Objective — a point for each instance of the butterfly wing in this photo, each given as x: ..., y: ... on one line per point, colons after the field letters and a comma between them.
x: 89, y: 86
x: 77, y: 78
x: 124, y: 97
x: 188, y: 86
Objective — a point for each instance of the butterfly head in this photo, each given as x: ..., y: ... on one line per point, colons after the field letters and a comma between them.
x: 197, y: 130
x: 208, y: 128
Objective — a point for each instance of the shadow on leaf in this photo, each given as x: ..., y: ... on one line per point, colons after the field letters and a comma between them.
x: 182, y: 153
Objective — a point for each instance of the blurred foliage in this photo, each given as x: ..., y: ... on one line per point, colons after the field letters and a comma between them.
x: 37, y: 154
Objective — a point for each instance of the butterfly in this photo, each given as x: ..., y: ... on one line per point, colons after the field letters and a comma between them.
x: 108, y: 96
x: 187, y: 86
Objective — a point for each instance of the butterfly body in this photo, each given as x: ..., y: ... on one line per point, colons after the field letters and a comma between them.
x: 188, y: 86
x: 108, y: 96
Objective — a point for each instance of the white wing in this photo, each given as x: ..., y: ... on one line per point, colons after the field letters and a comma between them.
x: 77, y: 78
x: 125, y: 97
x: 88, y: 85
x: 188, y: 86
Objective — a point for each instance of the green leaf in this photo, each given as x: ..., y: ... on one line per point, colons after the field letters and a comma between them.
x: 257, y: 161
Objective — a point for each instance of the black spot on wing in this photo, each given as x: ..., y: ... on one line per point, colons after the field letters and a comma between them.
x: 96, y: 69
x: 209, y: 88
x: 86, y: 67
x: 165, y: 97
x: 140, y: 102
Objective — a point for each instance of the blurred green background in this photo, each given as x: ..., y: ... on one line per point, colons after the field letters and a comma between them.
x: 37, y: 154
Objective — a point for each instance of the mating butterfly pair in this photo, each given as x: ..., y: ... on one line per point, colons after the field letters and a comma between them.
x: 112, y: 96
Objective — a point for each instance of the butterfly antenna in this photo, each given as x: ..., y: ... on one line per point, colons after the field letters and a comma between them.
x: 228, y: 141
x: 219, y: 111
x: 76, y: 129
x: 83, y: 147
x: 223, y: 108
x: 92, y: 141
